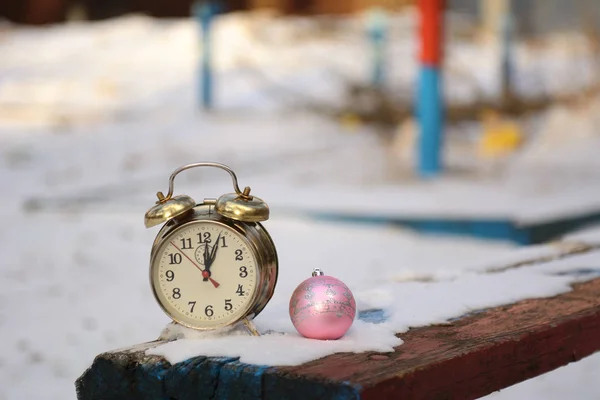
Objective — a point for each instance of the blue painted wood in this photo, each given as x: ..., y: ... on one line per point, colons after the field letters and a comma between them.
x: 430, y: 116
x: 149, y: 379
x: 485, y: 229
x: 543, y: 232
x: 587, y: 273
x: 240, y: 380
x: 198, y: 378
x: 278, y: 386
x: 373, y: 316
x: 113, y: 380
x: 131, y: 375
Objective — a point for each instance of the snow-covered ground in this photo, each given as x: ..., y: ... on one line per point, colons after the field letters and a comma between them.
x: 94, y: 117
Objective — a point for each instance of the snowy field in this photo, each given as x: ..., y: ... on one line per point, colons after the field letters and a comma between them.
x: 94, y: 118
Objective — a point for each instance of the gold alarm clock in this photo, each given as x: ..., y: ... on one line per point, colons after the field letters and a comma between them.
x: 212, y: 264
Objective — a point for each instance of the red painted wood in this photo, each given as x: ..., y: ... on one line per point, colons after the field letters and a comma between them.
x: 473, y: 356
x: 431, y: 28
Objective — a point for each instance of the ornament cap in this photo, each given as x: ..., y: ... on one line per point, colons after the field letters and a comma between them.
x: 317, y: 272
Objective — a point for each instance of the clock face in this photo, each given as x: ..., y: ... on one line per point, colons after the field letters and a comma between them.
x: 204, y: 274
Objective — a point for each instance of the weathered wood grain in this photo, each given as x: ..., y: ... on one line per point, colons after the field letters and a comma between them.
x: 466, y: 359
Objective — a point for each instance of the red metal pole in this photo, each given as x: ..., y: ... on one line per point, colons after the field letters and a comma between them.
x: 431, y: 30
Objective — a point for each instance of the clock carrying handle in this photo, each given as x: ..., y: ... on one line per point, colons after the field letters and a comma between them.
x: 245, y: 194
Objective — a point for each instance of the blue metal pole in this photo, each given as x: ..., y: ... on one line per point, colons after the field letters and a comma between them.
x: 377, y: 32
x: 204, y: 12
x: 507, y: 55
x: 430, y: 114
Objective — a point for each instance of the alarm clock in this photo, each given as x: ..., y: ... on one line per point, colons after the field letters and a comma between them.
x: 212, y: 264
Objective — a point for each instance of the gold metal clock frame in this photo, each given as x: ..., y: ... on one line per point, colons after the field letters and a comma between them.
x: 237, y: 211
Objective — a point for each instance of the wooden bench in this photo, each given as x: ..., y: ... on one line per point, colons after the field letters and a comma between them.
x: 465, y: 359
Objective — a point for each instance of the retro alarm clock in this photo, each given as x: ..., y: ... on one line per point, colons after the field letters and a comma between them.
x: 212, y: 263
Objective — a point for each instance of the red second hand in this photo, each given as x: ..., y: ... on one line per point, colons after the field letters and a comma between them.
x: 215, y: 283
x: 205, y: 274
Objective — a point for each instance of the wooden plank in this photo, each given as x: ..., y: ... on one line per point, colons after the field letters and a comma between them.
x: 491, y: 229
x: 465, y: 359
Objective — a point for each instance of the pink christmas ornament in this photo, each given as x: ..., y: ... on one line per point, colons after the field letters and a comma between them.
x: 322, y: 307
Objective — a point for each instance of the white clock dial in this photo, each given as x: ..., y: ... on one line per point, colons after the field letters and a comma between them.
x: 204, y: 275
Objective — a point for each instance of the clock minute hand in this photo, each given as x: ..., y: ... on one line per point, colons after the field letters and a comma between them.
x: 213, y: 253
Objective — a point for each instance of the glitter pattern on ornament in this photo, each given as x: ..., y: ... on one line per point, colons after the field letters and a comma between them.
x: 322, y: 307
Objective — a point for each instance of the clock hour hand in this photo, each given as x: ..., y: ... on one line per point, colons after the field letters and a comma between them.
x: 206, y: 258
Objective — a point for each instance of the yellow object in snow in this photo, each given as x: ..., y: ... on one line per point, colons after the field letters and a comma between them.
x: 350, y: 121
x: 500, y: 136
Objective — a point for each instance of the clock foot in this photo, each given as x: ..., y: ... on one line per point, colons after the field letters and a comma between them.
x: 251, y: 326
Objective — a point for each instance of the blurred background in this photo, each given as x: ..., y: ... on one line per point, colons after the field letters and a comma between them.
x: 445, y: 135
